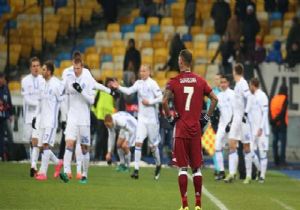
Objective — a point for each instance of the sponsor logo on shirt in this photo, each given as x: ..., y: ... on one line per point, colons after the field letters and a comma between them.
x: 188, y: 80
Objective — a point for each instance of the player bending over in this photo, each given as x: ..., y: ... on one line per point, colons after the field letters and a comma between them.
x: 258, y: 118
x: 188, y: 91
x: 126, y: 124
x: 50, y: 97
x: 225, y: 105
x: 149, y: 95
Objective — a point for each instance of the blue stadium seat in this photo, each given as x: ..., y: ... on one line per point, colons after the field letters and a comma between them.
x: 106, y: 58
x: 127, y: 28
x: 60, y: 3
x: 214, y: 38
x: 171, y: 1
x: 63, y: 56
x: 5, y: 8
x: 154, y: 29
x: 88, y: 42
x: 187, y: 38
x: 11, y: 24
x: 3, y: 2
x: 275, y: 16
x: 138, y: 21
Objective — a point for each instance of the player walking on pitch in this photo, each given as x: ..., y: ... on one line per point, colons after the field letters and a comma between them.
x: 240, y: 128
x: 50, y: 97
x: 188, y: 91
x: 81, y: 95
x: 149, y: 95
x: 31, y: 86
x: 258, y: 118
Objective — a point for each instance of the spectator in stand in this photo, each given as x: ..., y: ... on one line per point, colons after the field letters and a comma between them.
x: 270, y: 5
x: 110, y: 8
x: 283, y: 6
x: 293, y: 56
x: 148, y: 9
x: 294, y: 35
x: 226, y: 49
x: 279, y: 122
x: 190, y: 12
x: 176, y: 46
x: 234, y: 31
x: 132, y: 61
x: 259, y: 52
x: 241, y: 8
x: 6, y: 116
x: 250, y: 29
x: 275, y: 54
x: 220, y: 13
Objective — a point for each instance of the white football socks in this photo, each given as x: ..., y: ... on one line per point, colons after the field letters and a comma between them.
x: 220, y: 160
x: 85, y: 164
x: 45, y: 161
x: 121, y: 155
x: 137, y: 157
x: 78, y: 155
x: 127, y: 159
x: 156, y: 156
x: 233, y: 162
x: 67, y: 160
x: 248, y: 164
x: 34, y: 156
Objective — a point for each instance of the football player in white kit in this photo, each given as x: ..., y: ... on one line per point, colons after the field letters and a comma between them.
x: 149, y: 95
x: 258, y: 118
x: 31, y: 85
x: 225, y: 105
x: 66, y: 105
x: 50, y: 97
x: 126, y: 124
x: 79, y: 87
x: 240, y: 128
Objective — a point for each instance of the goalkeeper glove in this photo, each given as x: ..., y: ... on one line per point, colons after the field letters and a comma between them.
x: 77, y: 87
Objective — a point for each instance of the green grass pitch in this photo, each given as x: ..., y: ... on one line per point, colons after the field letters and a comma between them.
x: 110, y: 190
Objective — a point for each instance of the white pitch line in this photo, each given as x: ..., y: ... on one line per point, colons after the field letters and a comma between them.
x: 283, y: 205
x: 213, y: 198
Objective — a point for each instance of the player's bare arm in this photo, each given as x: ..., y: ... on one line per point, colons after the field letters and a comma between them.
x: 165, y: 102
x: 213, y: 104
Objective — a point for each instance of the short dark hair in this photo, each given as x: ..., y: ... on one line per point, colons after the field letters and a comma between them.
x: 187, y: 56
x: 76, y: 54
x: 239, y: 69
x: 50, y: 66
x: 255, y: 82
x: 225, y: 76
x: 34, y: 59
x: 78, y: 60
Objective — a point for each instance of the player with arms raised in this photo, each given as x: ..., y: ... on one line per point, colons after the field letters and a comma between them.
x: 188, y: 91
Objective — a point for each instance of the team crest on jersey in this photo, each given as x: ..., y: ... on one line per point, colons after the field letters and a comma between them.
x: 84, y: 139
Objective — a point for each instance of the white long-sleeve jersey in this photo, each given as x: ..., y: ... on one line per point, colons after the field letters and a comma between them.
x: 79, y: 103
x: 121, y: 120
x: 242, y: 93
x: 69, y: 72
x: 146, y: 89
x: 31, y: 87
x: 258, y: 112
x: 225, y: 105
x: 51, y: 96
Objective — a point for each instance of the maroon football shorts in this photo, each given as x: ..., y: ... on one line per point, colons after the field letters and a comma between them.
x: 188, y: 152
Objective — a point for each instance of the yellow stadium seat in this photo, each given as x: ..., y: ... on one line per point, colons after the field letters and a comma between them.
x: 276, y: 23
x: 135, y: 13
x: 178, y: 21
x: 125, y: 20
x: 147, y: 51
x: 90, y: 50
x: 171, y: 74
x: 65, y: 64
x: 118, y: 44
x: 118, y: 51
x: 93, y: 61
x: 50, y: 36
x: 189, y: 45
x: 161, y: 52
x: 160, y: 75
x: 118, y: 74
x: 152, y: 21
x: 26, y: 50
x: 147, y: 60
x: 289, y: 15
x: 200, y: 70
x: 195, y: 30
x: 162, y: 83
x: 106, y: 51
x: 200, y: 45
x: 113, y: 27
x: 158, y: 37
x: 159, y: 44
x: 166, y: 21
x: 269, y: 39
x: 142, y: 29
x: 146, y: 44
x: 14, y: 86
x: 87, y: 14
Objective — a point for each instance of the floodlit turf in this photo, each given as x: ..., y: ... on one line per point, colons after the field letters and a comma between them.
x: 108, y: 190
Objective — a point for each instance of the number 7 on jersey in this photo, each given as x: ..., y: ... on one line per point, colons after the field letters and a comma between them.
x: 190, y: 92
